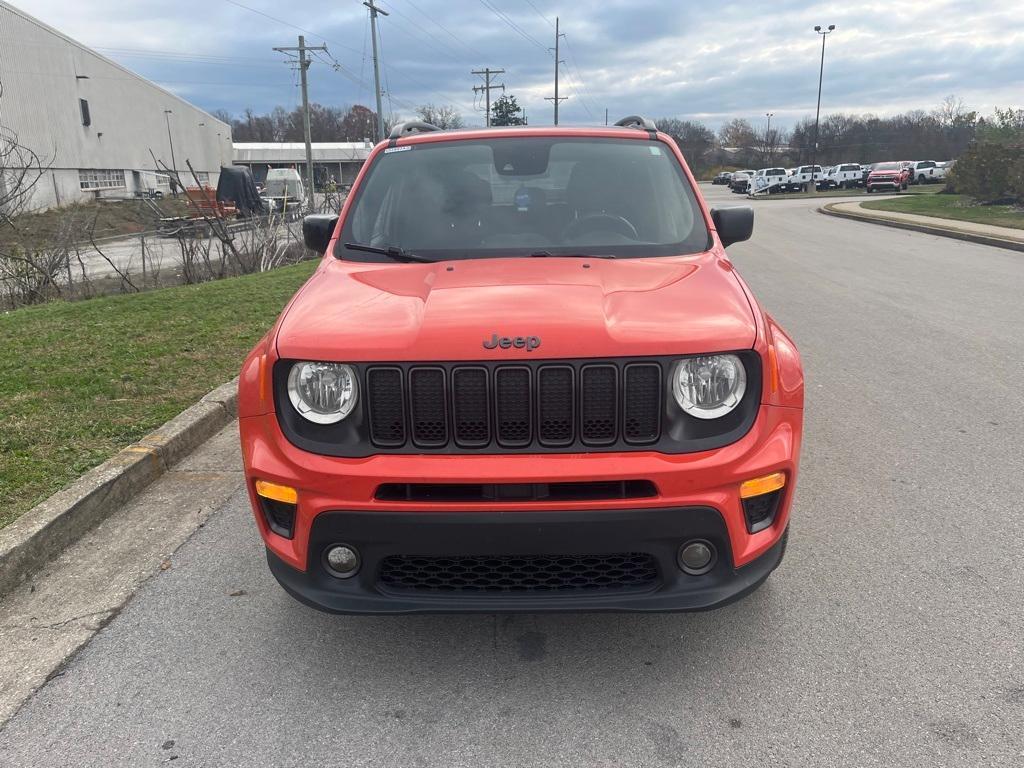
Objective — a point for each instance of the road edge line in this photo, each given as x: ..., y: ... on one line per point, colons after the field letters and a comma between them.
x: 955, y: 234
x: 42, y: 533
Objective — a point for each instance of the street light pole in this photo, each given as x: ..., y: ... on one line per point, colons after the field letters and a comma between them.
x: 768, y: 136
x: 174, y: 165
x: 817, y: 113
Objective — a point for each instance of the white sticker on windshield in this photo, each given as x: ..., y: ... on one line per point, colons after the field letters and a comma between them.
x: 389, y: 150
x: 656, y: 151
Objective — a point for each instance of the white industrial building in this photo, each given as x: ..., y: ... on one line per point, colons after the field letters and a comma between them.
x: 93, y: 122
x: 337, y: 160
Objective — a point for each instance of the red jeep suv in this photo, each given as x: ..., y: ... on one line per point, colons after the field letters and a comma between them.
x: 524, y: 377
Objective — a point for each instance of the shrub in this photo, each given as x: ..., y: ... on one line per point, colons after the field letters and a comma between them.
x: 992, y: 168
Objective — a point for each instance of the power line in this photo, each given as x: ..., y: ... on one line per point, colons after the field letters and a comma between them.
x: 530, y: 3
x: 437, y: 45
x: 579, y: 79
x: 289, y: 24
x: 519, y: 30
x: 445, y: 29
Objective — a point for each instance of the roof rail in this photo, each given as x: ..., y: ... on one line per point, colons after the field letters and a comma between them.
x: 410, y: 127
x: 639, y: 122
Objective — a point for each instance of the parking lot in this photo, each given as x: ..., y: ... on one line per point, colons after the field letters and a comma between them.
x: 891, y: 635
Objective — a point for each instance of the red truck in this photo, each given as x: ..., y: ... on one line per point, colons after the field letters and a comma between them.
x: 888, y: 176
x: 524, y: 377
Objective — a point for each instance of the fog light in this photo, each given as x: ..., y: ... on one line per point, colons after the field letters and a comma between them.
x: 342, y: 561
x: 697, y: 557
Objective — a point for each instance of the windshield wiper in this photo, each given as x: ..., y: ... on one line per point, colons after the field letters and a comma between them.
x: 544, y: 254
x: 391, y: 251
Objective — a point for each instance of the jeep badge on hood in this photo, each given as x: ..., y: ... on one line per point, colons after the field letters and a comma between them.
x: 529, y: 343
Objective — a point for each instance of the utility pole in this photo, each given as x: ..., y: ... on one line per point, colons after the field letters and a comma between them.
x: 374, y: 10
x: 817, y: 113
x: 174, y: 165
x: 556, y: 98
x: 303, y: 66
x: 486, y: 87
x: 606, y: 115
x: 768, y: 136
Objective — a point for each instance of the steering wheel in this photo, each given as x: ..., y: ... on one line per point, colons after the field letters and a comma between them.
x: 598, y: 221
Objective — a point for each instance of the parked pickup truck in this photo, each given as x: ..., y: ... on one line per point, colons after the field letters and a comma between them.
x: 768, y: 181
x: 887, y: 177
x: 525, y: 377
x: 800, y: 179
x: 846, y: 175
x: 927, y: 172
x: 740, y: 181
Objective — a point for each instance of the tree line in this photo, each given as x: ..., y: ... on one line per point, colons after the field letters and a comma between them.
x: 943, y: 133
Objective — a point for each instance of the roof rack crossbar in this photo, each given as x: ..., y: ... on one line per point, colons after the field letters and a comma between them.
x: 410, y: 127
x: 637, y: 121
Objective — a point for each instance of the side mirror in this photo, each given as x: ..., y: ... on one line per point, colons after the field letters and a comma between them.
x: 317, y: 231
x: 733, y: 224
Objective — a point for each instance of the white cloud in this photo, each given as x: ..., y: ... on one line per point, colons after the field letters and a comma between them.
x: 662, y: 58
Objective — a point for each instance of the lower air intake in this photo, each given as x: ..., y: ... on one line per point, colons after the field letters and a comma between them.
x: 519, y: 574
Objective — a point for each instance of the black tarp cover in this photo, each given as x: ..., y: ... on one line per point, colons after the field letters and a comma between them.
x: 236, y: 186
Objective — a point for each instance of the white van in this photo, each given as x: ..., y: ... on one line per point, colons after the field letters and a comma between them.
x: 284, y: 187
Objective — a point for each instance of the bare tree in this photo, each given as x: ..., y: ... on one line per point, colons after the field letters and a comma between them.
x: 950, y: 111
x: 443, y: 116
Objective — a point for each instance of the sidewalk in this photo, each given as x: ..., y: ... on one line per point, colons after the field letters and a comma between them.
x: 1002, y: 237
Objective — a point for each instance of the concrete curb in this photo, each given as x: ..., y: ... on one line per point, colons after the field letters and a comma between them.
x: 955, y: 234
x: 28, y: 543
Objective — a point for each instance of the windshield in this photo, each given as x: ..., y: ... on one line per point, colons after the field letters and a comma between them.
x: 520, y: 196
x: 887, y: 167
x: 283, y: 188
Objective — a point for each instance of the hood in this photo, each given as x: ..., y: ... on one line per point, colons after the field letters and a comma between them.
x: 572, y: 307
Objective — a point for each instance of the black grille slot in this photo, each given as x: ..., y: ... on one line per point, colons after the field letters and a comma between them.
x: 555, y: 405
x: 475, y: 492
x: 427, y: 403
x: 387, y: 406
x: 519, y: 574
x: 470, y: 412
x: 642, y: 404
x: 598, y: 423
x: 512, y: 406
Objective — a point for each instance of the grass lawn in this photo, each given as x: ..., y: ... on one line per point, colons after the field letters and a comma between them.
x: 958, y: 207
x: 80, y: 381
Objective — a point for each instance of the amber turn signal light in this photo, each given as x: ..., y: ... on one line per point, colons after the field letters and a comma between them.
x: 762, y: 485
x: 276, y: 492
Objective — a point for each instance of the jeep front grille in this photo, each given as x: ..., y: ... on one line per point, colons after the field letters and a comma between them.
x: 514, y: 406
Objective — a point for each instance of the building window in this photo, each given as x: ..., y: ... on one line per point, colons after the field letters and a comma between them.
x: 84, y: 106
x: 103, y: 178
x: 203, y: 176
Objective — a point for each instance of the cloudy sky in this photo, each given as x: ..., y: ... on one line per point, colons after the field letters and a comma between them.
x: 689, y: 59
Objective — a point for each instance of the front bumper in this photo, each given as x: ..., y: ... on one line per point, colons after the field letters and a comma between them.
x: 338, y: 500
x: 572, y: 536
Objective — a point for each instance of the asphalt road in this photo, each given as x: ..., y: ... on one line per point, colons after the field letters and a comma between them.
x: 891, y: 636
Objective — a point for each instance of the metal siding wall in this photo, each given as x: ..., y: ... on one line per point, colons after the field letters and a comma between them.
x: 39, y: 69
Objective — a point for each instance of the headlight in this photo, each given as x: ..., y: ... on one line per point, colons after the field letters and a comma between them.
x: 324, y: 393
x: 710, y: 386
